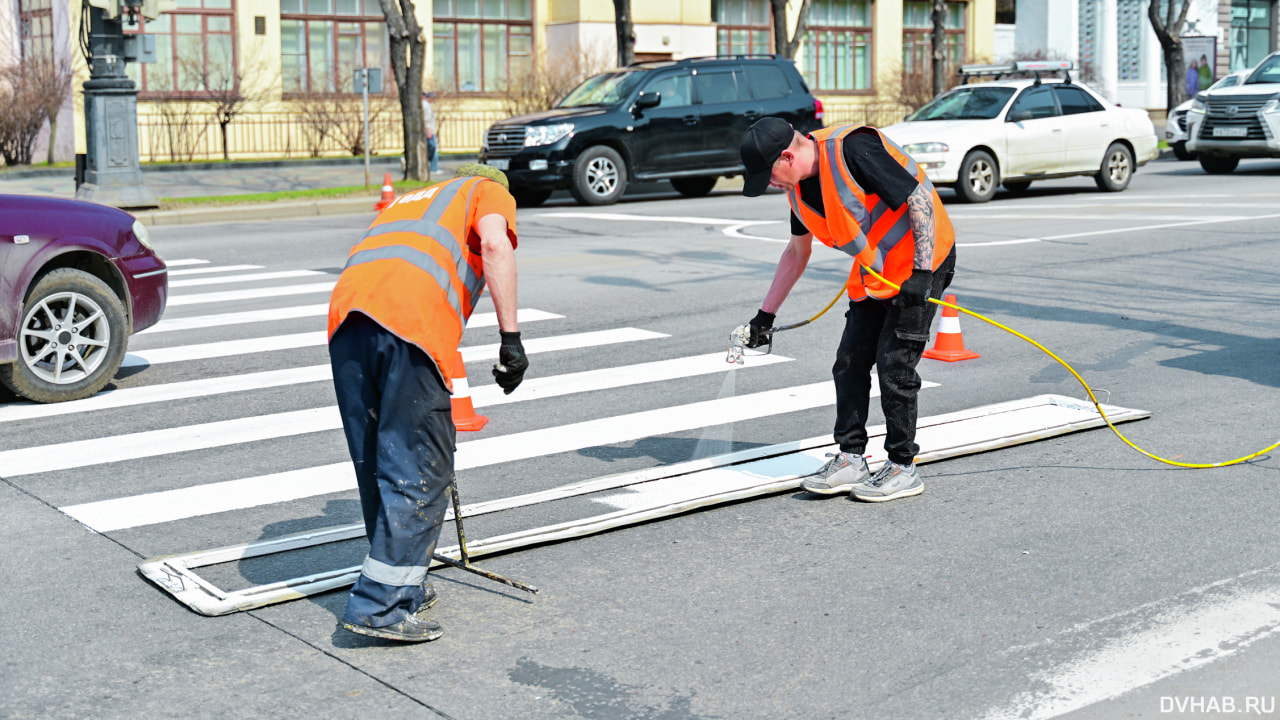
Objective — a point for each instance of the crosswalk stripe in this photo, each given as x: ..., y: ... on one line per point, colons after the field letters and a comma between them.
x: 251, y: 277
x: 198, y: 322
x: 211, y: 270
x: 182, y: 262
x: 484, y: 395
x: 170, y: 505
x: 250, y: 346
x: 254, y: 294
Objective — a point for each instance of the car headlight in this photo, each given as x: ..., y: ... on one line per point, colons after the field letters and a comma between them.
x: 1197, y: 106
x: 1272, y: 106
x: 144, y: 236
x: 929, y: 147
x: 546, y: 134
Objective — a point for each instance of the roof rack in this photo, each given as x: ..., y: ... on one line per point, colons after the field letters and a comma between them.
x: 1021, y: 67
x: 709, y: 58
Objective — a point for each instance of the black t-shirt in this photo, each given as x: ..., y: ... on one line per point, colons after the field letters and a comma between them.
x: 872, y: 167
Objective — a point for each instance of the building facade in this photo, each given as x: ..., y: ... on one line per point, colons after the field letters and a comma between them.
x: 282, y: 70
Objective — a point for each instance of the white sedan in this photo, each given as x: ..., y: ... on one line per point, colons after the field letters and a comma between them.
x: 976, y: 137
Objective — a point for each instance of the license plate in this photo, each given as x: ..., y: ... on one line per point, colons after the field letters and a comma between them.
x: 501, y: 164
x: 1231, y: 132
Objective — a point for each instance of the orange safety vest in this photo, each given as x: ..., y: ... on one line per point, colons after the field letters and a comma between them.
x: 863, y: 225
x: 414, y: 273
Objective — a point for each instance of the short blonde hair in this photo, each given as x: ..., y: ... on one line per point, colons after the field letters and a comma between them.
x: 484, y: 171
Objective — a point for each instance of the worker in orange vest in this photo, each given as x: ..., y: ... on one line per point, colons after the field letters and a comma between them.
x: 858, y: 192
x: 395, y: 320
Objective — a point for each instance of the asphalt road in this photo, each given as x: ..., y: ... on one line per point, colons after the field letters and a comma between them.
x: 1070, y: 577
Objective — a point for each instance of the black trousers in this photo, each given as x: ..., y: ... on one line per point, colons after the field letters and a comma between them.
x: 876, y: 334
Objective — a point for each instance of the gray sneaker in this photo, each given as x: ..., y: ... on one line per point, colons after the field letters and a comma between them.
x: 891, y: 481
x: 839, y: 475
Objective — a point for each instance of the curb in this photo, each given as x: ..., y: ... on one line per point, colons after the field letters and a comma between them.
x: 272, y: 211
x: 237, y: 165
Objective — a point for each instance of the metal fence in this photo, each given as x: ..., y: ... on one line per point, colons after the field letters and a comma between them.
x: 186, y: 132
x: 873, y: 114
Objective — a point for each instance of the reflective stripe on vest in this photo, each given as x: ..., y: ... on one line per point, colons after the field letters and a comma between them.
x: 864, y: 226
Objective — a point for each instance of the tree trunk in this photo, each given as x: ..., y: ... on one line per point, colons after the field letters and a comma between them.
x: 939, y: 39
x: 407, y: 51
x: 625, y: 32
x: 53, y: 135
x: 1169, y: 32
x: 223, y: 127
x: 785, y: 44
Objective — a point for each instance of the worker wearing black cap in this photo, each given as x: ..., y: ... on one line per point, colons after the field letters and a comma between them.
x: 858, y: 192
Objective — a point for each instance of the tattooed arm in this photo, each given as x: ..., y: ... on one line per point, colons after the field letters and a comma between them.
x: 920, y: 212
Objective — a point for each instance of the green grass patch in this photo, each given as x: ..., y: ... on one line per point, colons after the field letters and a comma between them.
x: 373, y: 192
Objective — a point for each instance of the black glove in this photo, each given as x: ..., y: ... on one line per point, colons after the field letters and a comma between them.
x: 915, y: 289
x: 512, y: 363
x: 760, y: 326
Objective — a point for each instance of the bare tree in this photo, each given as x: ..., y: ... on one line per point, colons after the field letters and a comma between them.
x: 185, y: 126
x: 50, y: 79
x: 939, y: 39
x: 319, y: 114
x: 785, y: 44
x: 348, y: 127
x: 230, y: 88
x: 21, y: 96
x: 1169, y: 32
x: 408, y: 49
x: 625, y: 31
x: 546, y: 80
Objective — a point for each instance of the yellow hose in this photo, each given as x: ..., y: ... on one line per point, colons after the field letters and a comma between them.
x: 1070, y: 369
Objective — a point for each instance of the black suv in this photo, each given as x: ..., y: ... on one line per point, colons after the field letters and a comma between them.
x: 676, y: 120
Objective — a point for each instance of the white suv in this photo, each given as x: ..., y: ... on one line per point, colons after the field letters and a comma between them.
x: 1227, y: 124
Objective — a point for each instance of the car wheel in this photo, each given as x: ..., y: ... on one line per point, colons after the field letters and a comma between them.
x: 530, y: 197
x: 72, y: 338
x: 1017, y: 187
x: 1219, y: 165
x: 1180, y: 151
x: 1117, y: 169
x: 599, y: 176
x: 979, y: 177
x: 694, y: 186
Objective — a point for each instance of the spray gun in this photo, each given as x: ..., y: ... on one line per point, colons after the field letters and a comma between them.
x: 740, y: 339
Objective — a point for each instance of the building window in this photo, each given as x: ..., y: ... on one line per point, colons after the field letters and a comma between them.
x: 479, y: 44
x: 742, y: 26
x: 1131, y: 18
x: 35, y: 22
x: 323, y: 42
x: 837, y: 46
x: 1250, y: 29
x: 917, y: 36
x: 194, y: 49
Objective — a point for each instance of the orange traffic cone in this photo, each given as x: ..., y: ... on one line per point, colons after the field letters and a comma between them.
x: 949, y: 345
x: 464, y: 412
x: 388, y: 194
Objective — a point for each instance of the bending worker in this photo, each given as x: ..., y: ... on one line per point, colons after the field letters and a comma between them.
x: 858, y: 192
x: 395, y: 320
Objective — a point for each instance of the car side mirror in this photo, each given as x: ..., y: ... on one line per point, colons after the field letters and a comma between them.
x: 1019, y: 115
x: 648, y: 100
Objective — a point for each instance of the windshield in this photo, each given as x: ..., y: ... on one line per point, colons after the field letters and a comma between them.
x: 965, y: 103
x: 1267, y: 72
x: 1226, y: 81
x: 608, y: 88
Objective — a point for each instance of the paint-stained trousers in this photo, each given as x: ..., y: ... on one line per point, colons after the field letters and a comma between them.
x: 875, y: 333
x: 398, y: 419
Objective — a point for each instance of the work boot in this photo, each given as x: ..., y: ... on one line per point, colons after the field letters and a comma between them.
x: 839, y: 475
x: 891, y: 481
x: 415, y: 628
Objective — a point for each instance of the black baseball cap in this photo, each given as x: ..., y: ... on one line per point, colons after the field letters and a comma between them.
x: 760, y: 149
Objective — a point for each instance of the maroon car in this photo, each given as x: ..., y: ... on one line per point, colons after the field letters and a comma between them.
x: 76, y: 279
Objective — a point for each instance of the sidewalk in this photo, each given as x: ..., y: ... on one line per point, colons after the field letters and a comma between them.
x: 203, y: 180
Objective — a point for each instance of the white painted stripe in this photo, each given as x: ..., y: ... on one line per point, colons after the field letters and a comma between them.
x: 252, y: 277
x: 641, y: 218
x: 185, y: 261
x: 478, y: 320
x: 1175, y: 640
x: 271, y: 343
x: 225, y: 348
x: 168, y: 392
x: 254, y: 294
x: 1117, y: 231
x: 210, y: 270
x: 170, y: 505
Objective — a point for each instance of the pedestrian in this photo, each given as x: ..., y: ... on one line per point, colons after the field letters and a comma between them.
x: 429, y: 129
x: 395, y: 320
x: 857, y: 191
